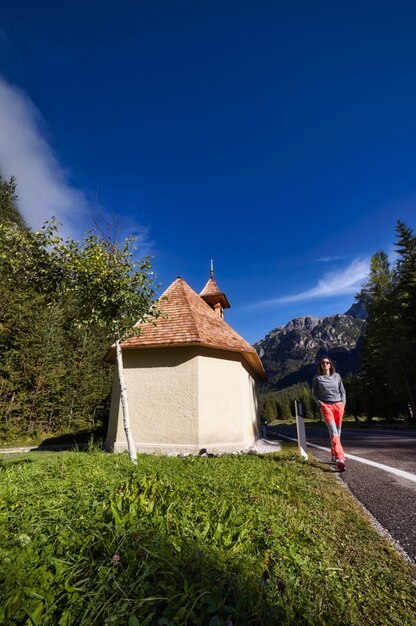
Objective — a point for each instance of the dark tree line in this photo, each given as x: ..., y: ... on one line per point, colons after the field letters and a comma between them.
x: 279, y: 405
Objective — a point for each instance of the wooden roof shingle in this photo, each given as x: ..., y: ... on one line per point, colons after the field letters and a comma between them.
x: 188, y: 320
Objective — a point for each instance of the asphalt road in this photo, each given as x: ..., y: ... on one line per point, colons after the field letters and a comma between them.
x: 389, y: 497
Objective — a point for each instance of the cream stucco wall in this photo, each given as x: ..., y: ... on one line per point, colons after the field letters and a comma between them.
x: 227, y: 401
x: 183, y: 399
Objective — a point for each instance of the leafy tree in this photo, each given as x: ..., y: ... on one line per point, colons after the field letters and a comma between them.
x: 97, y: 281
x: 52, y: 375
x: 112, y: 291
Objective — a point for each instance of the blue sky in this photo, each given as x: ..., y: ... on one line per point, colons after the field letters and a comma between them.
x: 277, y: 138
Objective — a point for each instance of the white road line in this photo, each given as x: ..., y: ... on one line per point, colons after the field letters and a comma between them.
x: 385, y: 468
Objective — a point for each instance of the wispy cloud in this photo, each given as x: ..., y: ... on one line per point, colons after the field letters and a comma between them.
x: 329, y: 259
x: 42, y: 183
x: 335, y: 283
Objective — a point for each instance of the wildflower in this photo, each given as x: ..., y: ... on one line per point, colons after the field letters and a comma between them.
x: 269, y: 531
x: 281, y: 586
x: 24, y: 539
x: 115, y: 559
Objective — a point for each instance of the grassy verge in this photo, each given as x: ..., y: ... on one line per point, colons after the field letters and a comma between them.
x: 83, y: 437
x: 88, y: 539
x: 50, y: 439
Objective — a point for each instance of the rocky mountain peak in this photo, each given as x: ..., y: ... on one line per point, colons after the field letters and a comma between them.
x: 358, y: 310
x: 289, y: 352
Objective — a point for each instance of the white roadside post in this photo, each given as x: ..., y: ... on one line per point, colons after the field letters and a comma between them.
x: 300, y: 425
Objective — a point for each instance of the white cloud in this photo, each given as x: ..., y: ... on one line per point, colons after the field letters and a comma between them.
x: 42, y: 184
x: 336, y: 283
x: 329, y: 259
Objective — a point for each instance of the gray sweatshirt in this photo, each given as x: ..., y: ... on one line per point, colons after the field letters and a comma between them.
x: 328, y: 389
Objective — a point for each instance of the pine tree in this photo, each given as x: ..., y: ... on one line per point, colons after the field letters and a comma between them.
x: 389, y: 350
x: 405, y: 298
x: 269, y: 410
x: 285, y: 411
x: 380, y: 373
x: 307, y: 402
x: 355, y: 391
x: 9, y: 213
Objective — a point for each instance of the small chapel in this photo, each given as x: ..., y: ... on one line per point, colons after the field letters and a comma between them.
x: 190, y: 377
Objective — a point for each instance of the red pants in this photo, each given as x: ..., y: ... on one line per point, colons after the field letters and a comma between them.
x: 332, y: 414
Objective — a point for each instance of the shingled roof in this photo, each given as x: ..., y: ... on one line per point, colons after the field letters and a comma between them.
x: 211, y: 294
x: 188, y: 320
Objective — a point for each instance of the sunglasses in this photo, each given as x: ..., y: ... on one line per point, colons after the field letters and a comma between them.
x: 329, y: 362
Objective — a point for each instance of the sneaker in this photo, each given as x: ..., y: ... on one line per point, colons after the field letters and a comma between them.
x: 333, y: 458
x: 341, y: 465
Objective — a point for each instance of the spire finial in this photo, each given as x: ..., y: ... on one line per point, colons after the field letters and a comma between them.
x: 211, y: 272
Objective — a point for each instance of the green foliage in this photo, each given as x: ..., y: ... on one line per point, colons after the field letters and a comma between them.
x: 389, y: 351
x: 52, y: 375
x: 9, y: 213
x: 111, y: 289
x: 284, y: 401
x: 269, y: 409
x: 62, y: 304
x: 284, y: 410
x: 230, y: 540
x: 308, y: 403
x: 355, y: 391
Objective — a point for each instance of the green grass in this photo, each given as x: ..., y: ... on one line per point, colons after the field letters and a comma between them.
x: 88, y: 539
x: 18, y: 440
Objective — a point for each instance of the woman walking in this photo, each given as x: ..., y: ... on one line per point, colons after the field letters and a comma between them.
x: 329, y: 393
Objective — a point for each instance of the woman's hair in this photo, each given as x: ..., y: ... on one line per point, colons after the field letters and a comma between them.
x: 320, y: 367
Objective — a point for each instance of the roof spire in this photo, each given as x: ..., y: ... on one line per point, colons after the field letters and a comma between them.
x: 216, y: 299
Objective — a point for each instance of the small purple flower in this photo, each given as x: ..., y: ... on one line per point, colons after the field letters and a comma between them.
x: 229, y: 623
x: 269, y: 531
x: 115, y: 559
x: 281, y: 586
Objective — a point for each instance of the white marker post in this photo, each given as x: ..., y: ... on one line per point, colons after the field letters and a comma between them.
x: 300, y: 425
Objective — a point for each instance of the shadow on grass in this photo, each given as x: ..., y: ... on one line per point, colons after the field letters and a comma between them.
x: 193, y: 586
x: 80, y: 440
x: 167, y: 580
x: 4, y: 462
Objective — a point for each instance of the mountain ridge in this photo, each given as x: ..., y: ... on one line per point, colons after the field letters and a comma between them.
x: 289, y: 352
